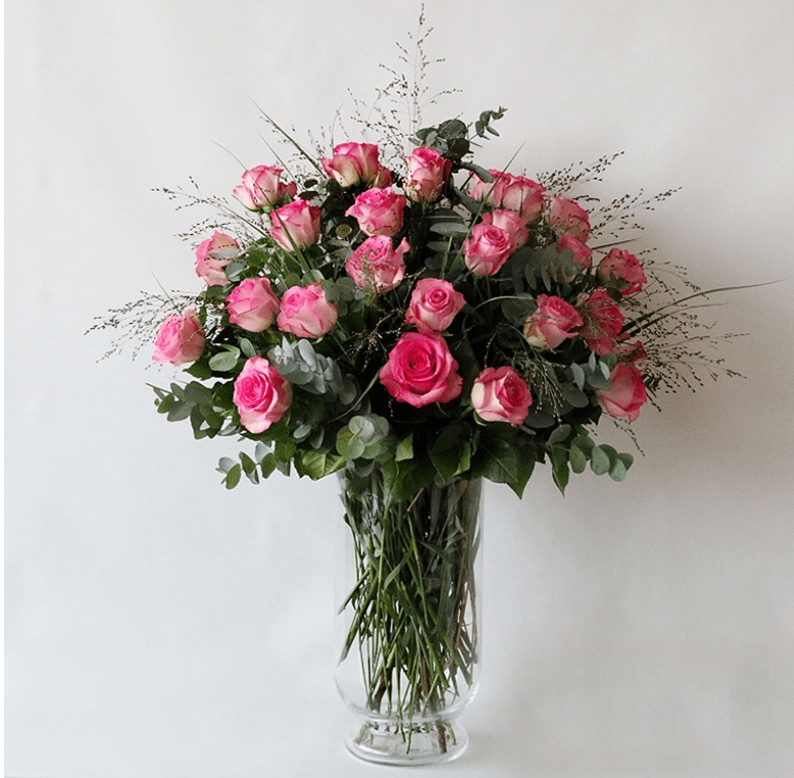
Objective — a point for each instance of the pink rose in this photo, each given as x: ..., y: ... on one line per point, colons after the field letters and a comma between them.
x: 305, y: 312
x: 421, y: 370
x: 261, y: 394
x: 514, y: 193
x: 428, y: 175
x: 378, y: 212
x: 376, y: 266
x: 180, y: 339
x: 212, y: 255
x: 500, y: 394
x: 252, y: 305
x: 295, y: 225
x: 630, y: 352
x: 602, y: 321
x: 511, y: 223
x: 434, y: 304
x: 262, y: 190
x: 554, y: 321
x: 582, y: 255
x: 622, y: 270
x: 627, y: 394
x: 356, y: 163
x: 569, y: 217
x: 486, y: 249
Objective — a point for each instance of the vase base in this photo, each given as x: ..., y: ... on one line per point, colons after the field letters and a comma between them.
x: 386, y: 743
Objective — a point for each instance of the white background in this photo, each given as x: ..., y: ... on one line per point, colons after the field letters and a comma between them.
x: 159, y: 626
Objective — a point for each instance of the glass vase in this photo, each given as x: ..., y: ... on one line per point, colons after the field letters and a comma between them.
x: 409, y: 621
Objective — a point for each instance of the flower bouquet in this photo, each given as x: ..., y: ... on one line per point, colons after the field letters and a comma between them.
x: 414, y: 322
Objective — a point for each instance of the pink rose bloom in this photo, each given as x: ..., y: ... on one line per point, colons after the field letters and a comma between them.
x: 486, y: 249
x: 295, y: 225
x: 500, y: 394
x: 356, y: 163
x: 627, y: 394
x: 569, y: 217
x: 262, y: 190
x: 582, y: 255
x: 511, y: 223
x: 427, y: 176
x: 180, y: 339
x: 378, y: 212
x: 630, y: 352
x: 554, y: 322
x: 514, y: 193
x: 212, y: 255
x: 421, y: 370
x: 622, y: 270
x: 376, y: 266
x: 434, y: 304
x: 261, y: 394
x: 252, y: 305
x: 305, y: 312
x: 603, y: 321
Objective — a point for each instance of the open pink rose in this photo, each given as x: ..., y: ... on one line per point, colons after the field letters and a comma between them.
x: 212, y: 255
x: 622, y: 270
x: 627, y: 394
x: 602, y: 321
x: 261, y: 394
x: 252, y: 304
x: 180, y: 339
x: 568, y: 216
x: 295, y: 225
x: 376, y: 266
x: 378, y: 212
x: 486, y: 249
x: 305, y: 312
x: 427, y: 176
x: 554, y: 322
x: 421, y: 370
x: 582, y: 255
x: 356, y: 163
x: 262, y: 188
x: 500, y: 394
x: 511, y: 223
x: 514, y: 193
x: 434, y: 304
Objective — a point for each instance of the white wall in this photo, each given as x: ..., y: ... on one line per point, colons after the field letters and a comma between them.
x: 159, y: 626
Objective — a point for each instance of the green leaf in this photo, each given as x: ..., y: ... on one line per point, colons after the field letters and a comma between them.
x: 179, y: 411
x: 233, y: 477
x: 560, y: 434
x: 577, y: 458
x: 224, y: 361
x: 405, y: 448
x: 618, y: 470
x: 559, y: 467
x: 600, y: 462
x: 316, y: 465
x: 451, y: 452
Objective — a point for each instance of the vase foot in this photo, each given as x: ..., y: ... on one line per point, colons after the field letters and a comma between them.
x: 418, y: 744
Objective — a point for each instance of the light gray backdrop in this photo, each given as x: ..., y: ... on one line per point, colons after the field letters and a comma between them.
x: 159, y: 626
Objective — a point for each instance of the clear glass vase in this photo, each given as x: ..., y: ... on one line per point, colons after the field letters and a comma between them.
x: 409, y: 621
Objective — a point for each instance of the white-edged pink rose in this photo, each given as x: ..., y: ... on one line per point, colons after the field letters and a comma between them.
x: 555, y: 321
x: 428, y: 174
x: 262, y: 188
x: 626, y: 395
x: 295, y: 225
x: 421, y: 370
x: 180, y: 339
x: 486, y: 249
x: 434, y: 304
x: 212, y: 255
x: 622, y: 270
x: 261, y: 394
x: 511, y: 223
x: 306, y: 312
x: 582, y: 255
x: 567, y: 216
x: 356, y: 163
x: 378, y: 211
x: 376, y: 266
x: 252, y: 304
x: 501, y: 394
x: 514, y: 193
